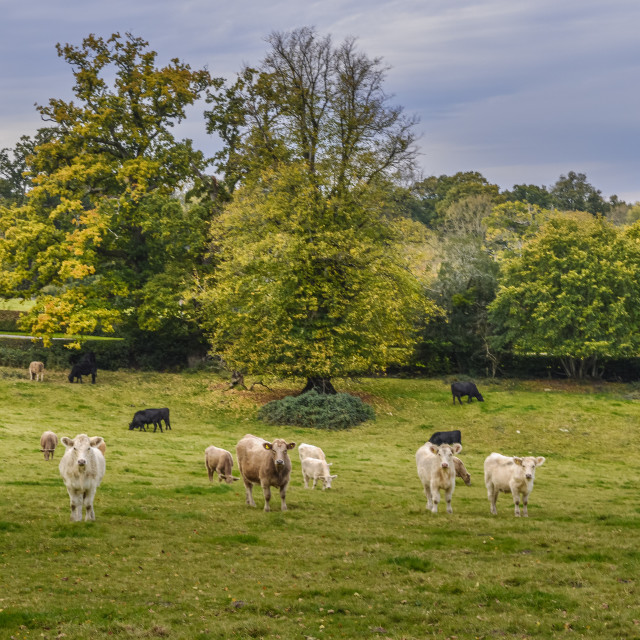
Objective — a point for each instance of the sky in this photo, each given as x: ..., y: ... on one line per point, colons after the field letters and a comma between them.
x: 522, y: 91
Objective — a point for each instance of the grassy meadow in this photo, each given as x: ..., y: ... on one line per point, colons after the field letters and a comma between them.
x: 172, y: 556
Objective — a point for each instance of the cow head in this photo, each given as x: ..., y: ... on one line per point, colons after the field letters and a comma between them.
x: 445, y: 452
x: 279, y: 449
x: 47, y: 453
x: 327, y: 478
x: 529, y: 465
x: 81, y: 447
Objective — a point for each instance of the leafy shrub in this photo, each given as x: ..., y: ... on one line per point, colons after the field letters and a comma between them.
x: 320, y: 411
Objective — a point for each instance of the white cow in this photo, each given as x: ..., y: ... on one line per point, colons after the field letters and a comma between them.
x: 82, y: 468
x: 510, y: 475
x: 436, y: 470
x: 310, y: 451
x: 313, y: 469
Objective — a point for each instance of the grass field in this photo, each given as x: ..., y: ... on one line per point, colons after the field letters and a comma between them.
x: 172, y: 556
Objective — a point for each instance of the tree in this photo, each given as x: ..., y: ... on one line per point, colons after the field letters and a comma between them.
x: 312, y: 280
x: 14, y: 181
x: 316, y: 103
x: 437, y: 194
x: 573, y: 193
x: 573, y: 293
x: 110, y: 231
x: 531, y: 194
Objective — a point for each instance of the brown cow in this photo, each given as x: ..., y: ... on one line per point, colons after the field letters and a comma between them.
x: 265, y: 463
x: 220, y: 461
x: 36, y: 369
x: 461, y: 471
x: 48, y: 444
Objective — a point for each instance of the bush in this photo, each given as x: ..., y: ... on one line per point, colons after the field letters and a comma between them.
x: 320, y: 411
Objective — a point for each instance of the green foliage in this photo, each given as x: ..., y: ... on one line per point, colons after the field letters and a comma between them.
x: 573, y: 193
x: 314, y: 278
x: 531, y: 194
x: 573, y: 293
x: 309, y: 285
x: 103, y: 221
x: 318, y: 411
x: 437, y: 194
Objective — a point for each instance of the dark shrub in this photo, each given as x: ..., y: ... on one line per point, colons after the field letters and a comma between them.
x: 320, y: 411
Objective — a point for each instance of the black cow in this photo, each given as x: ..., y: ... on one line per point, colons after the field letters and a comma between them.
x: 459, y: 389
x: 446, y: 437
x: 146, y: 417
x: 85, y: 367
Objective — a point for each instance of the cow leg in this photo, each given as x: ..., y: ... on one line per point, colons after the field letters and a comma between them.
x: 283, y: 495
x: 249, y: 493
x: 305, y: 477
x: 210, y: 472
x: 493, y: 496
x: 76, y: 507
x: 266, y: 489
x: 516, y: 501
x: 525, y: 502
x: 447, y: 496
x: 167, y: 425
x: 435, y: 498
x: 93, y: 378
x: 88, y: 504
x: 427, y: 493
x: 315, y: 481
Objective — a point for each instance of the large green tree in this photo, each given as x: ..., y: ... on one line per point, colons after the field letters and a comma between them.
x: 573, y: 292
x: 312, y: 281
x: 109, y: 231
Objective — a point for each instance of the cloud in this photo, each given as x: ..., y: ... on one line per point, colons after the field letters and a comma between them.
x: 500, y: 87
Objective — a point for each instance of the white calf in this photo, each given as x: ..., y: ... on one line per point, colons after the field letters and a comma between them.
x: 510, y: 475
x: 436, y: 470
x: 82, y: 468
x: 314, y: 468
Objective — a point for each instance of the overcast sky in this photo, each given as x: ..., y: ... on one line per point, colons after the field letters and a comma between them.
x: 519, y: 90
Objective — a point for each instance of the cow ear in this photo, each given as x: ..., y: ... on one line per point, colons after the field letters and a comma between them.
x: 96, y: 441
x: 329, y: 464
x: 540, y: 461
x: 67, y: 442
x: 334, y: 476
x: 291, y: 445
x: 434, y: 448
x: 267, y: 446
x: 518, y: 461
x: 457, y: 447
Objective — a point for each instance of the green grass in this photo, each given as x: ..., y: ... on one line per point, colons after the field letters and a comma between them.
x: 15, y: 304
x: 172, y: 556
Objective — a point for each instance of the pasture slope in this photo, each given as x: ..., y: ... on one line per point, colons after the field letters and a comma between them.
x: 172, y: 556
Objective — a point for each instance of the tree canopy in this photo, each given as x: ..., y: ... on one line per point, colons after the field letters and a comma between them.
x: 573, y: 292
x: 107, y: 217
x: 312, y: 280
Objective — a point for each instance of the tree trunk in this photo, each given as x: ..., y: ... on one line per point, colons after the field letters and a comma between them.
x: 321, y: 385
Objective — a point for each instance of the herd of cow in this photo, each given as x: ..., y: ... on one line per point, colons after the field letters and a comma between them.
x: 267, y: 464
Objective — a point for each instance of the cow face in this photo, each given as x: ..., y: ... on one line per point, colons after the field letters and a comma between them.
x: 81, y: 446
x: 327, y: 480
x: 279, y: 449
x: 445, y: 452
x: 529, y: 465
